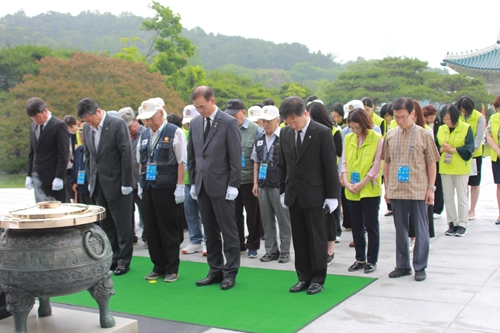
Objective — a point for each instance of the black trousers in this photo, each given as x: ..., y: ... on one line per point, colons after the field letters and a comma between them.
x: 246, y: 199
x: 309, y: 243
x: 438, y: 194
x: 45, y: 193
x: 138, y: 201
x: 217, y: 215
x: 364, y: 215
x: 117, y: 224
x: 160, y: 216
x: 430, y: 218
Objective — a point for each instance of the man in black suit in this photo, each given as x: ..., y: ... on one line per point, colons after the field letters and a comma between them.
x: 108, y: 158
x: 309, y: 187
x: 49, y: 152
x: 214, y: 162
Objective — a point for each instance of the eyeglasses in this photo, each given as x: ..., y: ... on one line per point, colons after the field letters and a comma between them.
x: 402, y: 117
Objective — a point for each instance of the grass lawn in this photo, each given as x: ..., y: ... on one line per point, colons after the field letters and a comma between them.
x: 12, y: 181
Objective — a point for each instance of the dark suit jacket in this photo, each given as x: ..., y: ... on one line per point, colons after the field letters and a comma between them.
x: 112, y: 163
x: 49, y: 155
x: 312, y: 176
x: 215, y: 163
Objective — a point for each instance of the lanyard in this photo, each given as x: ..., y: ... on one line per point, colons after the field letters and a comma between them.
x: 154, y: 152
x: 411, y: 143
x: 270, y: 153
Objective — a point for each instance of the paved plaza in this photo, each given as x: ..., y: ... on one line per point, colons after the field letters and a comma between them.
x: 461, y: 293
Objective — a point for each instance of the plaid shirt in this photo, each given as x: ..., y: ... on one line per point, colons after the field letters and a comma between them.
x: 415, y: 147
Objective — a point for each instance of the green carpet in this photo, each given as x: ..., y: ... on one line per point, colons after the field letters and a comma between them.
x: 260, y: 301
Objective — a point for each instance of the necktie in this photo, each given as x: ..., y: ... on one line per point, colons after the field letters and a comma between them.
x: 299, y: 142
x: 40, y: 128
x: 207, y: 129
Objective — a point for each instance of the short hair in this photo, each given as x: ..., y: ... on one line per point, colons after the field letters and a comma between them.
x: 386, y: 109
x: 319, y: 114
x: 360, y: 117
x: 367, y: 101
x: 34, y: 106
x: 429, y: 110
x: 293, y: 105
x: 175, y: 119
x: 339, y: 108
x: 496, y: 103
x: 261, y: 105
x: 466, y: 103
x: 453, y: 111
x: 86, y: 106
x: 403, y: 103
x: 70, y: 120
x: 418, y: 112
x: 268, y: 101
x: 206, y: 91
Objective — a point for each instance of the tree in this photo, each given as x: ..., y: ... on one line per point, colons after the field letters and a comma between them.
x: 113, y: 83
x: 169, y: 51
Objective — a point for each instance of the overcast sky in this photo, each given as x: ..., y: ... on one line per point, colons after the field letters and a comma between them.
x: 424, y: 29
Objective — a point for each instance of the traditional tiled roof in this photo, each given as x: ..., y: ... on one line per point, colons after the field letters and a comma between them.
x: 486, y: 59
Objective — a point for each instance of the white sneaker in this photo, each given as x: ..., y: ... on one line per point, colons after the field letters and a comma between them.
x: 192, y: 248
x: 436, y: 216
x: 412, y: 245
x: 337, y: 239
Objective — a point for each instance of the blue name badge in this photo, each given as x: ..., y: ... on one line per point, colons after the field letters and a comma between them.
x: 151, y: 172
x: 243, y: 164
x: 404, y: 173
x: 263, y: 171
x: 355, y: 177
x: 81, y: 177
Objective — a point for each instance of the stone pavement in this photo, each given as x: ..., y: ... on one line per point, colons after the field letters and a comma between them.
x: 461, y: 293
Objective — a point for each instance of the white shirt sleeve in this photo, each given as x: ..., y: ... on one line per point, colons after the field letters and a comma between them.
x: 180, y: 146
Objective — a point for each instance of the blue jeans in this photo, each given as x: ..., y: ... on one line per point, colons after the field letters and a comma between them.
x: 193, y: 218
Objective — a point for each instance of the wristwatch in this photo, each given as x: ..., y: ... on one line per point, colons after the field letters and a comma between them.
x: 432, y: 187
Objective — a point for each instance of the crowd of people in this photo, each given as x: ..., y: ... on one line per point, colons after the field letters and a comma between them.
x: 299, y: 171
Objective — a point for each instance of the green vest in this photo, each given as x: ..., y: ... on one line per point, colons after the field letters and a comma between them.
x: 377, y: 120
x: 186, y: 177
x: 361, y: 160
x: 495, y: 126
x: 473, y: 122
x: 455, y: 139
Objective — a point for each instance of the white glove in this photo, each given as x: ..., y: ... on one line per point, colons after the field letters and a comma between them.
x: 332, y: 204
x: 139, y: 190
x: 126, y: 190
x: 57, y: 184
x: 282, y: 201
x: 179, y: 193
x: 192, y: 193
x: 231, y: 193
x: 29, y: 183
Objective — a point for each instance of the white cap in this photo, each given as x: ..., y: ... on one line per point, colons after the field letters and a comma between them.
x: 354, y: 104
x: 254, y: 113
x: 148, y: 108
x: 270, y: 112
x: 189, y: 113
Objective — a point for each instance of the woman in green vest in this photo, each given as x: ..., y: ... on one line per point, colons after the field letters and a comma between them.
x: 492, y: 136
x: 362, y: 176
x: 476, y: 121
x: 455, y: 142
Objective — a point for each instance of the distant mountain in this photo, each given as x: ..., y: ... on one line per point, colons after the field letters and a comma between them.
x: 267, y: 62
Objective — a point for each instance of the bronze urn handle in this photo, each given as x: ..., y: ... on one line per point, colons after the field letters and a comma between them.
x: 89, y: 249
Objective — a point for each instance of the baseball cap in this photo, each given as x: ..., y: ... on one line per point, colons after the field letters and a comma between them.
x: 148, y: 108
x: 269, y: 112
x: 127, y: 114
x: 189, y: 113
x: 233, y: 106
x: 254, y: 113
x: 354, y: 104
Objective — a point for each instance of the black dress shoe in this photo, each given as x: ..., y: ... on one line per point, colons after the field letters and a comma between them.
x: 356, y: 266
x: 120, y: 270
x: 210, y: 279
x: 227, y: 283
x: 314, y: 288
x: 113, y: 266
x: 300, y: 286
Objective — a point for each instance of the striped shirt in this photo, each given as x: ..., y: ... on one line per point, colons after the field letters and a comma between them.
x: 413, y: 147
